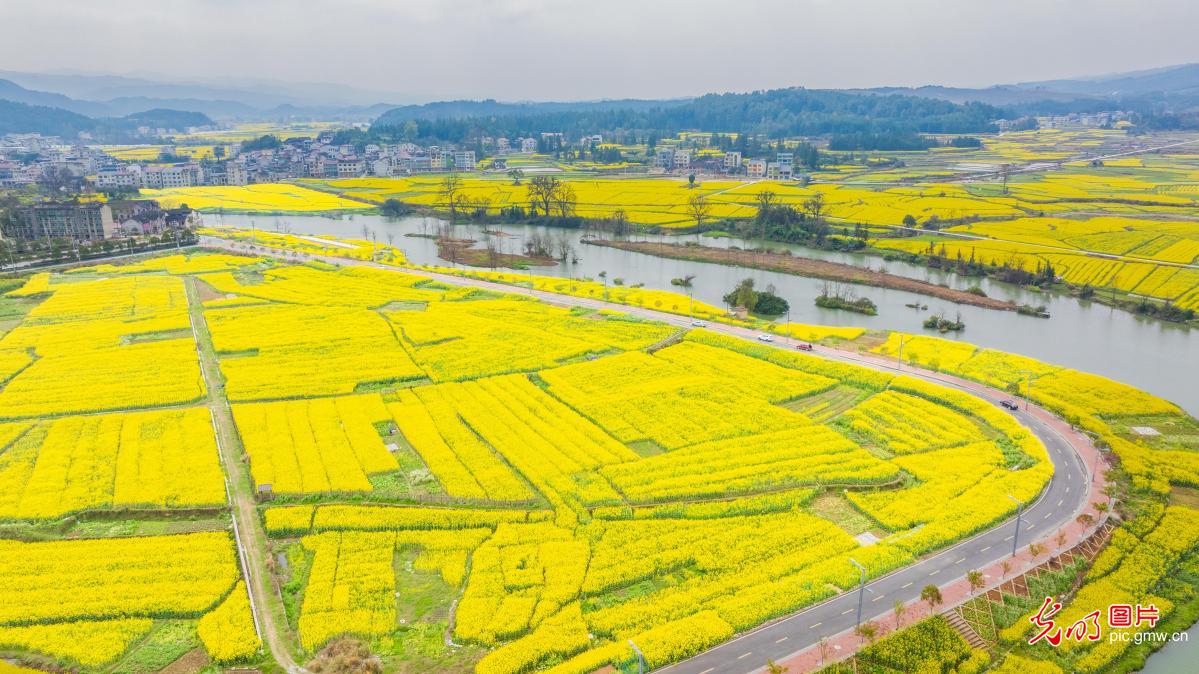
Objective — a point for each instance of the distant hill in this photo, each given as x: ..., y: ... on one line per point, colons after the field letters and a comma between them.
x: 17, y: 117
x: 11, y: 91
x: 169, y: 119
x: 1001, y: 95
x: 1180, y: 79
x: 228, y: 97
x: 22, y: 118
x: 221, y: 109
x: 775, y: 113
x: 464, y: 109
x: 1174, y: 88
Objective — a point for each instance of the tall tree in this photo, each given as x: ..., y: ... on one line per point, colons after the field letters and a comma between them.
x: 541, y: 191
x: 699, y: 208
x: 814, y: 206
x: 450, y: 193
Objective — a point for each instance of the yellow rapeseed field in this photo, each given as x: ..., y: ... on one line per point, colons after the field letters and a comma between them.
x: 268, y: 198
x: 545, y: 467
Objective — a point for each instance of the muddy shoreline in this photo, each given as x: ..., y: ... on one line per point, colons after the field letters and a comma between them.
x: 802, y: 266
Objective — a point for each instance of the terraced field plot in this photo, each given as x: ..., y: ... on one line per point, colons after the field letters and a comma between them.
x: 420, y: 456
x: 530, y: 462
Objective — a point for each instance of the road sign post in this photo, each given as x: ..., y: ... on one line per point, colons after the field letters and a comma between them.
x: 1019, y: 512
x: 861, y: 588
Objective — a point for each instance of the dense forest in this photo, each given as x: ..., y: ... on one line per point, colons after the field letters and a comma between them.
x: 775, y: 114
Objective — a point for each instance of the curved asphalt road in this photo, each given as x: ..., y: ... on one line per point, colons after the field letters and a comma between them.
x: 1057, y: 506
x: 1065, y: 496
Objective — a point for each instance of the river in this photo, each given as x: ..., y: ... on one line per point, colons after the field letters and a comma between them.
x: 1176, y: 657
x: 1162, y: 358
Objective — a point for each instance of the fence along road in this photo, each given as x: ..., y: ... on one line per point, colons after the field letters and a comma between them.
x: 1057, y: 506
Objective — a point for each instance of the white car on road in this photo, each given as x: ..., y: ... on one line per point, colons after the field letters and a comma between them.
x: 765, y: 338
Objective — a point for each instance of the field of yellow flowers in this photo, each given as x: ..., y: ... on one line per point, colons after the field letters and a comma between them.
x: 570, y: 478
x: 265, y: 198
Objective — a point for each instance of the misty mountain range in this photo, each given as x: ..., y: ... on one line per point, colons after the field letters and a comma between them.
x: 68, y: 101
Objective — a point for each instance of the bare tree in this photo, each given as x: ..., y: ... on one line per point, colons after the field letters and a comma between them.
x: 493, y: 253
x: 542, y: 191
x: 620, y: 222
x: 899, y: 608
x: 699, y: 208
x: 564, y: 200
x: 58, y: 179
x: 516, y: 175
x: 565, y: 250
x: 766, y: 199
x: 451, y: 193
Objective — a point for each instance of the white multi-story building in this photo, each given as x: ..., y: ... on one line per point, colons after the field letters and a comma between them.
x: 179, y: 175
x: 732, y: 162
x: 121, y: 178
x: 528, y: 145
x: 381, y: 167
x: 350, y: 168
x: 755, y: 168
x: 236, y: 174
x: 464, y: 160
x: 682, y: 159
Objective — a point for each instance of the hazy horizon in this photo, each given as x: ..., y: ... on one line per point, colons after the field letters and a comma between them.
x: 572, y: 50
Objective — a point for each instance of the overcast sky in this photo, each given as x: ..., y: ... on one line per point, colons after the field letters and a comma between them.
x: 587, y: 49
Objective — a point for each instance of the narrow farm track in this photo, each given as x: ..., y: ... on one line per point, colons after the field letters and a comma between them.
x: 251, y: 539
x: 1061, y: 501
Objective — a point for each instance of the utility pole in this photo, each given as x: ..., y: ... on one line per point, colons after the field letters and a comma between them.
x: 861, y: 588
x: 1019, y: 512
x: 1027, y: 388
x: 640, y: 658
x: 899, y: 360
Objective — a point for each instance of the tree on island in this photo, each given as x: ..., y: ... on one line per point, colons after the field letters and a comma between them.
x: 764, y: 302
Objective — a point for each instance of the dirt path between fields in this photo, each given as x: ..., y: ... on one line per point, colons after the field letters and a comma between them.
x: 803, y: 266
x: 251, y: 539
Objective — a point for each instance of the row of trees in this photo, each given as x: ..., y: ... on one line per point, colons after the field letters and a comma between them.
x: 548, y: 197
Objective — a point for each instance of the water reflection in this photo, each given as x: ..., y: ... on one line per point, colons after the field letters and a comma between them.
x: 1161, y: 358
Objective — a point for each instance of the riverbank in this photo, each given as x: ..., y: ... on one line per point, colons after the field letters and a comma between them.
x: 1083, y: 335
x: 802, y: 266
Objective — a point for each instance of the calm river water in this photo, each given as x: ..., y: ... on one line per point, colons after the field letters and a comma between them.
x: 1158, y: 357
